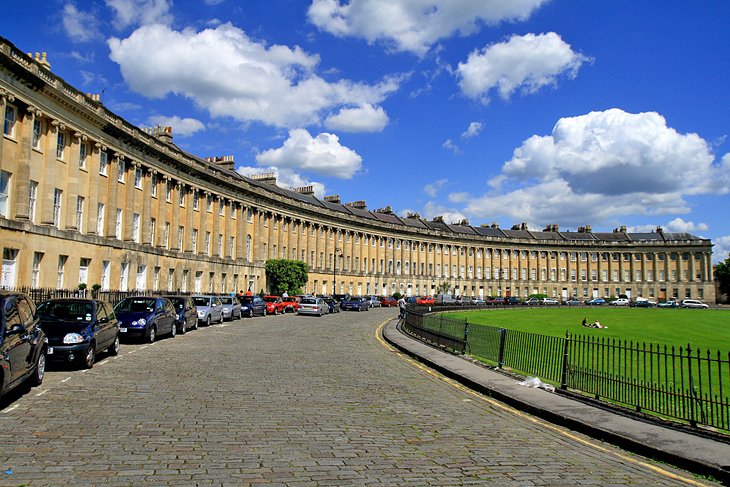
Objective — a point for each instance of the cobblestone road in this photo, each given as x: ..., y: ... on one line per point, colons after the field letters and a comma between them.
x: 287, y: 400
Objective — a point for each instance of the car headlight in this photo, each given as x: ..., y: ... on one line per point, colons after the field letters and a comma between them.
x: 72, y: 338
x: 201, y: 314
x: 139, y: 322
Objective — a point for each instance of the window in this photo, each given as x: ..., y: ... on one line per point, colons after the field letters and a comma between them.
x: 166, y: 236
x: 138, y: 177
x: 36, y: 273
x: 209, y: 204
x: 234, y: 208
x: 103, y: 163
x: 222, y: 208
x: 153, y: 185
x: 100, y: 219
x: 195, y: 240
x: 156, y: 279
x: 124, y: 277
x: 11, y: 115
x: 141, y: 281
x: 118, y: 225
x: 84, y: 264
x: 135, y: 227
x: 196, y: 199
x: 180, y: 236
x: 37, y: 131
x: 153, y: 229
x: 8, y: 270
x: 60, y: 270
x: 60, y: 145
x: 248, y: 248
x: 105, y: 279
x: 168, y: 191
x: 182, y: 195
x: 232, y: 247
x: 4, y: 193
x: 57, y: 198
x: 171, y: 280
x: 32, y: 198
x: 249, y: 217
x: 82, y: 155
x: 122, y: 170
x: 207, y: 243
x: 80, y: 213
x: 184, y: 283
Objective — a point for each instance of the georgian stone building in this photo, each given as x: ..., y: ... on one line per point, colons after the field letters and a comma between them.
x: 86, y: 197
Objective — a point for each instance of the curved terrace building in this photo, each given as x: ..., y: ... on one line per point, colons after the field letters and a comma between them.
x: 86, y: 197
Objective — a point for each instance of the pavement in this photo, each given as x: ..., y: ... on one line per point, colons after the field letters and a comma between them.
x: 696, y: 453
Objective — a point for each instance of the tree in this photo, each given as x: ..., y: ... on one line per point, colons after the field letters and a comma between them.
x: 722, y: 276
x: 286, y: 275
x: 443, y: 288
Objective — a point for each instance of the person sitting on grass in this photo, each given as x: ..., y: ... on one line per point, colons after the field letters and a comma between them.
x: 597, y: 324
x: 585, y: 322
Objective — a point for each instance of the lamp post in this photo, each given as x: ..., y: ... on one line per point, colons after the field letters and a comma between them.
x: 338, y: 253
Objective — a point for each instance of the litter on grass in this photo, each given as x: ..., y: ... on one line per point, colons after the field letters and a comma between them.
x: 535, y: 383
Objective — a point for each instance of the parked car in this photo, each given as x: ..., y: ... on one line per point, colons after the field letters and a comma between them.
x: 187, y: 313
x: 533, y: 302
x: 619, y: 302
x: 596, y: 302
x: 146, y: 317
x: 252, y: 305
x: 425, y: 300
x: 549, y: 302
x: 313, y: 306
x: 79, y: 329
x: 210, y: 308
x: 693, y: 303
x: 475, y: 301
x: 291, y: 302
x: 22, y: 342
x: 672, y: 303
x: 274, y: 305
x: 388, y: 302
x: 332, y: 303
x: 374, y: 301
x: 573, y: 302
x: 231, y: 308
x: 642, y: 303
x: 356, y: 303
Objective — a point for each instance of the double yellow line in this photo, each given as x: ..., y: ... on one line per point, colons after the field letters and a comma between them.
x: 379, y: 338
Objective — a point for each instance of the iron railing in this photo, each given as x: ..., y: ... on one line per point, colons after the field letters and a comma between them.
x: 38, y: 295
x: 680, y: 383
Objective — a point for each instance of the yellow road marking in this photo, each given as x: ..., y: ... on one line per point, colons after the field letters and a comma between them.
x: 515, y: 412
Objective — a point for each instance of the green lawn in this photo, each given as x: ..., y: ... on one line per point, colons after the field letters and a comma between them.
x: 703, y: 328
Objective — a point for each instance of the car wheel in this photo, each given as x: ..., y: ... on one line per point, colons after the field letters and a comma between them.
x: 208, y: 321
x: 152, y: 335
x: 183, y: 327
x: 90, y: 356
x: 195, y: 325
x: 250, y: 313
x: 265, y: 312
x: 173, y: 330
x: 115, y: 346
x: 40, y: 369
x: 276, y: 311
x: 221, y: 321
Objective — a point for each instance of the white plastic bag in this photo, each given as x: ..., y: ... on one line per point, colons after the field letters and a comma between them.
x: 535, y: 383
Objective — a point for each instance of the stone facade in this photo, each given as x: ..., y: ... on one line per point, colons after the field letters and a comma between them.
x: 88, y: 197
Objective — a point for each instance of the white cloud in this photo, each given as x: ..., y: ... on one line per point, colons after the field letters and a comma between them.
x: 679, y: 225
x: 140, y: 12
x: 601, y: 167
x: 414, y: 26
x: 432, y: 189
x: 181, y: 127
x: 449, y: 145
x: 451, y: 215
x: 228, y: 74
x: 366, y: 118
x: 286, y: 178
x: 323, y: 155
x: 458, y: 197
x: 213, y: 2
x: 527, y: 63
x: 473, y: 130
x: 721, y: 250
x: 79, y: 26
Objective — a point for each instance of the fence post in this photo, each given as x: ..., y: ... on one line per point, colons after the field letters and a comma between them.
x: 500, y: 354
x: 692, y: 420
x: 466, y: 335
x: 564, y: 372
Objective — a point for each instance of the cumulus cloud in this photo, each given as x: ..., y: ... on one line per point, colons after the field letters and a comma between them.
x: 140, y: 12
x: 526, y: 63
x: 451, y: 215
x: 181, y: 127
x: 473, y: 130
x: 603, y: 166
x: 286, y: 178
x: 405, y: 25
x: 458, y: 197
x: 322, y: 154
x: 225, y: 72
x: 449, y: 145
x: 432, y: 189
x: 721, y: 251
x: 80, y: 26
x: 679, y: 225
x: 366, y: 118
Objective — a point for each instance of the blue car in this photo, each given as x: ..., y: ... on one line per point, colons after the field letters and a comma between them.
x: 356, y: 303
x: 596, y: 302
x: 146, y: 317
x: 252, y: 305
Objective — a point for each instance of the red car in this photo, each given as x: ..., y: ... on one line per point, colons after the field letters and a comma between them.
x: 274, y: 305
x: 292, y: 304
x: 388, y: 301
x: 427, y: 300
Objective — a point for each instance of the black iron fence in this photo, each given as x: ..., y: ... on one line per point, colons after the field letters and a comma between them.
x: 680, y: 383
x: 38, y: 295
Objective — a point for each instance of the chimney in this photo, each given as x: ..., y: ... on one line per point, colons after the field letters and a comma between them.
x: 226, y: 162
x: 308, y: 190
x: 41, y: 59
x: 438, y: 219
x: 659, y: 230
x: 521, y: 226
x: 387, y: 210
x: 464, y: 223
x: 335, y: 198
x: 621, y: 229
x: 413, y: 215
x: 163, y: 134
x: 553, y: 227
x: 265, y: 178
x: 360, y: 205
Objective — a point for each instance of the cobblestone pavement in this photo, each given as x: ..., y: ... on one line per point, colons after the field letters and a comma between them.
x: 287, y: 400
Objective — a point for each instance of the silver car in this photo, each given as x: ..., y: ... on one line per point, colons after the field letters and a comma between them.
x: 210, y: 309
x: 313, y: 306
x: 231, y: 308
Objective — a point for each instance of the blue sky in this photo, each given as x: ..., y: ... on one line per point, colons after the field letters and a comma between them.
x: 538, y: 111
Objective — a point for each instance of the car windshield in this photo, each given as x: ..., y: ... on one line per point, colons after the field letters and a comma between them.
x: 289, y: 299
x: 66, y: 310
x: 201, y: 301
x: 179, y: 303
x: 227, y: 300
x: 270, y: 299
x: 309, y: 301
x: 135, y: 305
x: 246, y: 299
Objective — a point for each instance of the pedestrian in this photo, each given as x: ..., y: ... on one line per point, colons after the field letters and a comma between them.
x: 585, y: 322
x: 402, y: 308
x: 285, y: 295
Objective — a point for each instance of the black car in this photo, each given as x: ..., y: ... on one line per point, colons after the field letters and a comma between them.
x: 187, y: 313
x: 146, y: 317
x: 22, y: 342
x: 333, y: 304
x: 252, y: 305
x: 79, y: 329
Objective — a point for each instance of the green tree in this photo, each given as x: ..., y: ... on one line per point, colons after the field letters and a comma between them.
x: 286, y: 275
x: 722, y: 276
x: 443, y: 288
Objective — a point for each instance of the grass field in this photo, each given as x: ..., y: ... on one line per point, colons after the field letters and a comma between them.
x: 703, y: 328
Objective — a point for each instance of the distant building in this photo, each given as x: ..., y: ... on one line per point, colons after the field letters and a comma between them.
x: 87, y: 197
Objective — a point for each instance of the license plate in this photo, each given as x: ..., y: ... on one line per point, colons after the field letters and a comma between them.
x: 122, y: 330
x: 50, y: 351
